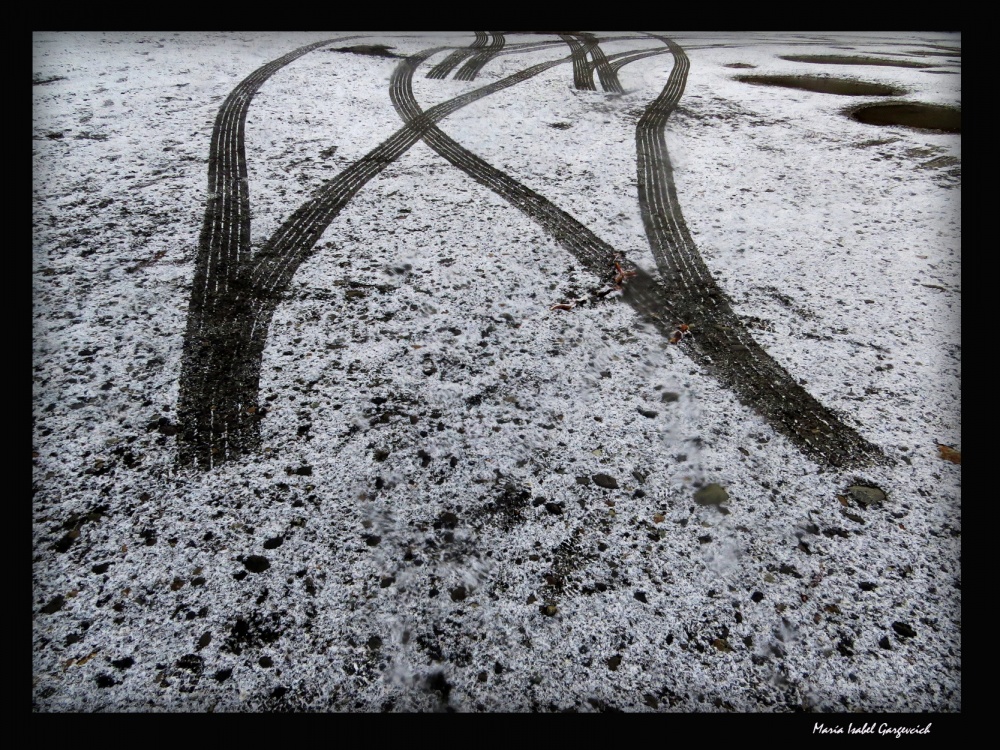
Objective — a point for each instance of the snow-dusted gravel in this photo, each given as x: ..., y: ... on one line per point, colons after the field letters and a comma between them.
x: 465, y: 500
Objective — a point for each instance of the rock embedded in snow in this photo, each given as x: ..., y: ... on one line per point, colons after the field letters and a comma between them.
x: 865, y: 496
x: 711, y: 494
x: 606, y: 481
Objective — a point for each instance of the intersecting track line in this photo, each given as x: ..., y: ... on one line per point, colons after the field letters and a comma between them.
x: 221, y: 370
x: 583, y: 79
x: 472, y: 67
x: 218, y: 411
x: 224, y: 243
x: 607, y: 75
x: 722, y: 344
x: 443, y: 68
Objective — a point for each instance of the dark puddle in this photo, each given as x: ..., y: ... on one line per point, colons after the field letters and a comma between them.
x: 740, y: 65
x: 853, y: 60
x: 915, y: 115
x: 953, y: 50
x: 841, y: 86
x: 374, y: 50
x: 926, y: 53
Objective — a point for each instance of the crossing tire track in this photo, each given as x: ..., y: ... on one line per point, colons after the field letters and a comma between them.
x: 622, y: 59
x: 644, y: 292
x: 224, y: 243
x: 723, y: 344
x: 220, y: 380
x: 472, y: 67
x: 583, y: 78
x: 443, y: 68
x: 607, y: 75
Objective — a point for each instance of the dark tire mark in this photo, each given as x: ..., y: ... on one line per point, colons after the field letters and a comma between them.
x: 583, y: 78
x: 471, y: 68
x: 443, y: 68
x: 607, y: 75
x: 593, y: 252
x: 224, y: 244
x: 221, y: 371
x: 624, y: 58
x: 218, y: 411
x: 646, y: 294
x: 722, y: 344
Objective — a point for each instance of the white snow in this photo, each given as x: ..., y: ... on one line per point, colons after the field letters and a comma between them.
x: 842, y: 240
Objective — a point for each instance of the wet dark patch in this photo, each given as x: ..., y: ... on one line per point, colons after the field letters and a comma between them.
x: 740, y: 65
x: 927, y: 53
x: 911, y: 115
x: 853, y: 60
x: 824, y: 85
x: 55, y: 605
x: 253, y: 632
x: 105, y: 681
x: 711, y: 494
x: 256, y: 564
x: 437, y: 682
x: 373, y: 50
x: 507, y: 509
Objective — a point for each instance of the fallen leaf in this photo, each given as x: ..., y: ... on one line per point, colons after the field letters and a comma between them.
x: 658, y: 518
x: 88, y: 657
x: 950, y: 454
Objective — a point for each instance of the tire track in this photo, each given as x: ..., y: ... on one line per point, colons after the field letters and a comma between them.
x: 594, y: 253
x: 624, y: 58
x: 227, y: 423
x: 723, y: 344
x: 224, y: 243
x: 644, y: 292
x: 471, y: 68
x: 443, y: 68
x: 582, y: 45
x: 607, y: 75
x: 583, y: 78
x: 218, y: 411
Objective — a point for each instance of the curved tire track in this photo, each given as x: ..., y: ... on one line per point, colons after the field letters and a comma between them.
x: 607, y: 75
x: 472, y: 67
x: 218, y: 411
x: 592, y: 251
x: 723, y: 344
x: 220, y: 419
x: 583, y: 78
x: 224, y: 243
x: 443, y: 68
x: 582, y: 45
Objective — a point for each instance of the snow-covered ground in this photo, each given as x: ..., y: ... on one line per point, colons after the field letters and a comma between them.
x: 422, y: 529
